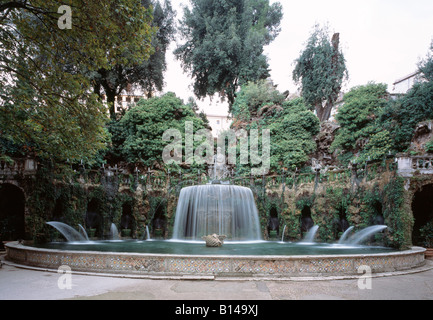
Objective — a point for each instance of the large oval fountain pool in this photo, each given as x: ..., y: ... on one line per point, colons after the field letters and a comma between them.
x: 224, y: 210
x: 230, y: 248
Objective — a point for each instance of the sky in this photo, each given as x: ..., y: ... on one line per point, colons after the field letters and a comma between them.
x: 382, y: 41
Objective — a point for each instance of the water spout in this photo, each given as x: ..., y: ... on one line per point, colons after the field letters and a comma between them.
x: 114, y: 233
x: 345, y: 235
x: 147, y: 233
x: 83, y: 232
x: 68, y: 232
x: 364, y: 234
x: 311, y: 234
x: 217, y: 209
x: 284, y: 232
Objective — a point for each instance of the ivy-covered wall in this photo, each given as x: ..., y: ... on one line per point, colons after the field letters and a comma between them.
x: 333, y: 200
x: 378, y: 199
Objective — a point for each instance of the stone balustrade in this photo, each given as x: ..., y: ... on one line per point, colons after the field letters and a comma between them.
x: 410, y: 166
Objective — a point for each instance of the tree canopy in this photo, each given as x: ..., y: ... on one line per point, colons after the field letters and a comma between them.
x: 426, y: 65
x: 47, y: 108
x: 141, y: 128
x: 292, y: 125
x: 146, y: 73
x: 224, y: 43
x: 360, y: 134
x: 321, y: 70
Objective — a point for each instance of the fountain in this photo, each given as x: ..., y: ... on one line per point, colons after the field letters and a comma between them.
x: 364, y: 234
x: 114, y: 233
x: 83, y: 232
x: 223, y: 211
x: 345, y: 235
x: 68, y: 232
x: 180, y: 258
x: 147, y: 233
x: 310, y: 235
x: 217, y: 208
x: 284, y: 232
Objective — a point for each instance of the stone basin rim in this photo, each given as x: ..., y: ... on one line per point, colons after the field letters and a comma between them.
x: 413, y: 250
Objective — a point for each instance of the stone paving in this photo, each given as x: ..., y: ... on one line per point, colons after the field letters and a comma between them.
x: 24, y: 284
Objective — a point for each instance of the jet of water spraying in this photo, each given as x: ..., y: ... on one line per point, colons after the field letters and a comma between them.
x: 311, y: 234
x: 345, y: 235
x: 364, y: 234
x: 68, y: 232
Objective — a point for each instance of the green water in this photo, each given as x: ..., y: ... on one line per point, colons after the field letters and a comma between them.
x: 256, y: 248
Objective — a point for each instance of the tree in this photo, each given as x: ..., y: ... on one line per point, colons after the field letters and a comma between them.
x: 253, y: 96
x: 292, y: 126
x: 401, y: 117
x: 426, y: 65
x: 143, y: 126
x: 360, y: 133
x: 147, y: 73
x: 293, y: 130
x: 224, y: 43
x: 47, y: 108
x: 321, y: 70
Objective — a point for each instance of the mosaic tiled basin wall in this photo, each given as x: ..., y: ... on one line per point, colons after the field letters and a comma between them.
x: 176, y: 265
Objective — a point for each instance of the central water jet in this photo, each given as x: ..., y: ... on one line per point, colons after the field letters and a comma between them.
x: 217, y: 209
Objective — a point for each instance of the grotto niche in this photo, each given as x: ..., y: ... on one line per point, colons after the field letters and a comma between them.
x: 422, y: 208
x: 12, y: 209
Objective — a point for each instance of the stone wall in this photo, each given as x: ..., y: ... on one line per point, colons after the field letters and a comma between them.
x: 358, y: 196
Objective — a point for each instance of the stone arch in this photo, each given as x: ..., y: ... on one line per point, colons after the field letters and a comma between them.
x: 306, y: 219
x: 94, y: 219
x: 127, y: 220
x: 273, y: 220
x: 422, y: 210
x: 12, y: 212
x: 159, y: 220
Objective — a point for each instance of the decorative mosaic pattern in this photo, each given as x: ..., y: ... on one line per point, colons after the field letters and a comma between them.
x: 225, y: 266
x: 198, y: 265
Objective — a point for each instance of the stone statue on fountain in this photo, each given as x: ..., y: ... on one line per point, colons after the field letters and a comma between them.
x: 219, y: 170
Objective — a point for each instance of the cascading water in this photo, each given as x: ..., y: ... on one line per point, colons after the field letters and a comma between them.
x: 345, y: 235
x: 217, y: 209
x: 147, y: 233
x: 311, y: 234
x: 68, y: 232
x: 362, y: 235
x: 83, y: 232
x: 114, y: 233
x: 284, y: 232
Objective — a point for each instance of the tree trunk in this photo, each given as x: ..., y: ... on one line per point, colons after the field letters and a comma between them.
x: 111, y: 101
x: 319, y: 111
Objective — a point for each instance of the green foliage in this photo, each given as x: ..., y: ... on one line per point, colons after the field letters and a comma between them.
x: 47, y: 108
x: 321, y: 70
x: 429, y: 146
x: 377, y: 147
x: 292, y: 126
x: 426, y: 232
x: 224, y: 43
x: 401, y: 117
x: 426, y: 65
x: 292, y: 133
x: 360, y: 134
x: 253, y: 97
x: 146, y: 73
x: 140, y: 131
x: 398, y: 220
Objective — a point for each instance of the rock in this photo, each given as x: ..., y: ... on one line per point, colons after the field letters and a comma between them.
x: 214, y: 240
x: 422, y: 135
x: 324, y: 141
